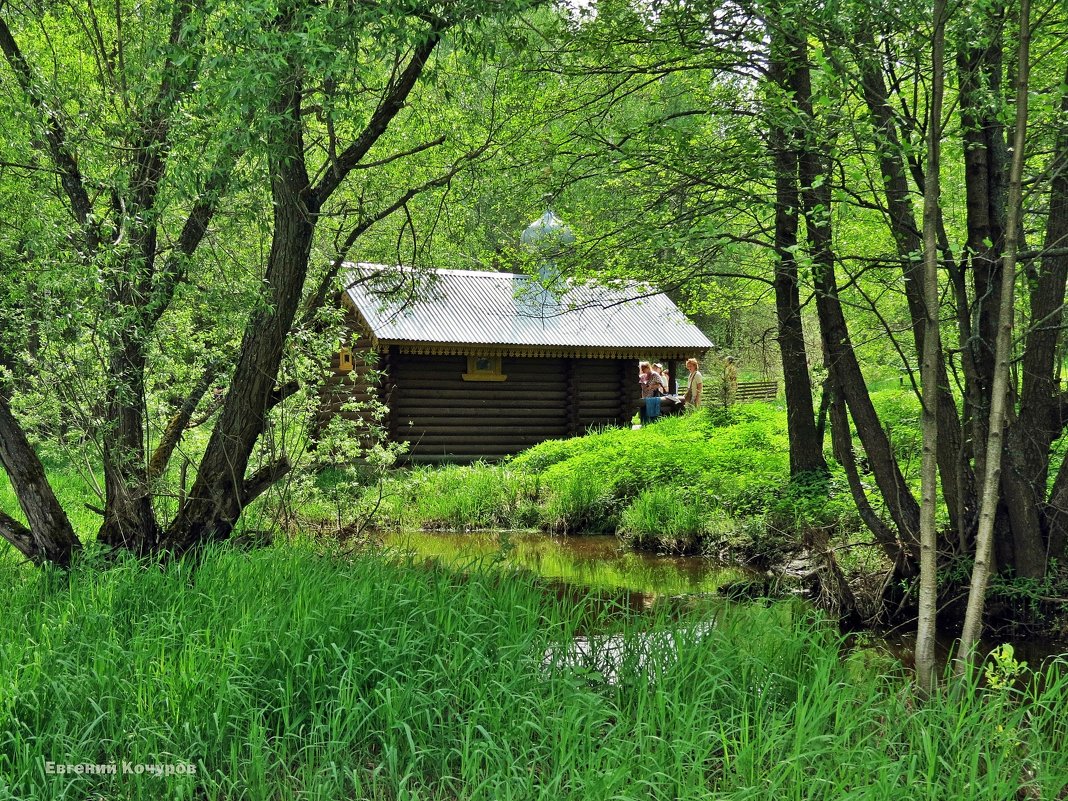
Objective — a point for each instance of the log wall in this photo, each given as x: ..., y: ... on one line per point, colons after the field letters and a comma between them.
x: 359, y: 384
x: 445, y: 418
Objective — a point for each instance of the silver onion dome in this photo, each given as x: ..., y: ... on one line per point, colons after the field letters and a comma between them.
x: 547, y: 233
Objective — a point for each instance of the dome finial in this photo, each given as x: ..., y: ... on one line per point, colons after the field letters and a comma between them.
x: 548, y: 232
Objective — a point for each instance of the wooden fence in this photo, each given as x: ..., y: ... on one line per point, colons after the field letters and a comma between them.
x: 756, y: 390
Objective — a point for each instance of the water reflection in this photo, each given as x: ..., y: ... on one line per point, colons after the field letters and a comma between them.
x: 638, y: 580
x: 599, y: 572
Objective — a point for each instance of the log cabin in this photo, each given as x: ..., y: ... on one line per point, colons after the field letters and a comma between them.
x: 480, y: 365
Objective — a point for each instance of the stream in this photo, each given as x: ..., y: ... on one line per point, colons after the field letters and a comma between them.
x: 598, y: 565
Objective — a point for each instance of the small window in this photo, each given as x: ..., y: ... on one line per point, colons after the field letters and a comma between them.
x: 484, y: 368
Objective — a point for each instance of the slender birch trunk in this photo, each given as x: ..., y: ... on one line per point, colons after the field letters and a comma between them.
x: 1000, y: 393
x: 926, y: 676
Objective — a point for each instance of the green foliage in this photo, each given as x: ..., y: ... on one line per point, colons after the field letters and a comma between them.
x: 733, y: 462
x: 1003, y: 670
x: 815, y: 501
x: 662, y: 518
x: 286, y: 674
x: 708, y: 475
x: 729, y: 461
x: 899, y: 411
x: 453, y: 497
x: 578, y: 501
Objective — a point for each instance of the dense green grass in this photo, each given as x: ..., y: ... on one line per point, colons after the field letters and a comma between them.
x: 704, y: 468
x: 283, y: 674
x: 713, y: 480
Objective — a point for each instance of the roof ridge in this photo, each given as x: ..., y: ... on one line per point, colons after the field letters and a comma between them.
x: 364, y: 265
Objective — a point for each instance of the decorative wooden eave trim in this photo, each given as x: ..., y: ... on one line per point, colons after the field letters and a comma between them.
x: 362, y: 325
x: 538, y: 351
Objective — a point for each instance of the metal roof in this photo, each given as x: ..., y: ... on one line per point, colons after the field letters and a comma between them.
x: 467, y: 307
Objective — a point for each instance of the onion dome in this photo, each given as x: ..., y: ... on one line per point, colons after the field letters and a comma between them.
x: 547, y: 233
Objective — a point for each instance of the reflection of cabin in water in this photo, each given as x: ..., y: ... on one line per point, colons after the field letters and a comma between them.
x: 479, y: 365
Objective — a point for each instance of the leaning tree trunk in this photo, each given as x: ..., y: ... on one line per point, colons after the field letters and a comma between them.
x: 958, y: 480
x: 842, y: 441
x: 1000, y: 395
x: 842, y: 361
x: 49, y: 536
x: 221, y: 491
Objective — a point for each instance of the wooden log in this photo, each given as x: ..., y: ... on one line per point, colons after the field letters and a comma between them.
x: 463, y: 446
x: 626, y: 381
x: 485, y: 432
x: 533, y: 395
x: 573, y: 395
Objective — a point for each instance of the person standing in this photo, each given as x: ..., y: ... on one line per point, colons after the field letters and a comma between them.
x: 695, y: 385
x: 730, y: 381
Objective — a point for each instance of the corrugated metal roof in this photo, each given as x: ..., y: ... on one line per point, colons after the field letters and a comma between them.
x: 468, y: 307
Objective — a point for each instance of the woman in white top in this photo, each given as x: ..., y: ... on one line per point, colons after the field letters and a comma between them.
x: 695, y: 384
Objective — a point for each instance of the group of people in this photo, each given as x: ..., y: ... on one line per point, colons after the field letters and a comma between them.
x: 655, y: 384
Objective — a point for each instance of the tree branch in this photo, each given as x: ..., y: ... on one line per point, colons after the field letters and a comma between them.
x: 263, y: 479
x: 55, y: 134
x: 318, y: 298
x: 19, y: 536
x: 176, y: 426
x: 280, y: 393
x: 387, y: 109
x: 193, y: 231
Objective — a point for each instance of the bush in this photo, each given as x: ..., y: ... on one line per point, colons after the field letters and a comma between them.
x: 727, y: 463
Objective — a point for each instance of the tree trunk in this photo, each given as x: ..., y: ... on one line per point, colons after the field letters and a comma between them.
x: 806, y: 445
x: 49, y: 537
x: 129, y: 519
x: 1040, y: 420
x: 217, y: 496
x: 958, y: 480
x: 842, y: 361
x: 842, y: 442
x: 1000, y: 395
x: 979, y: 65
x: 1054, y: 268
x: 927, y: 618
